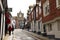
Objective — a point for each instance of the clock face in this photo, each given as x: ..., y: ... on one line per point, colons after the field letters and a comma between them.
x: 20, y: 15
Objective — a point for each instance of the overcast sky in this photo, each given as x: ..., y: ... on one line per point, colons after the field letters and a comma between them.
x: 18, y: 5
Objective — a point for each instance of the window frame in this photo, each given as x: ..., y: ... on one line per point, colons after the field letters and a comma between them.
x: 57, y: 4
x: 46, y: 4
x: 50, y: 27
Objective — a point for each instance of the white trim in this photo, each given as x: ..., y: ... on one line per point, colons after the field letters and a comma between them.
x: 40, y: 19
x: 57, y: 5
x: 45, y: 5
x: 52, y: 20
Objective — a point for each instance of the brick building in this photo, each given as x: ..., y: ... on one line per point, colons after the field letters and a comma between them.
x: 45, y: 18
x: 16, y: 20
x: 35, y: 18
x: 51, y: 17
x: 21, y: 18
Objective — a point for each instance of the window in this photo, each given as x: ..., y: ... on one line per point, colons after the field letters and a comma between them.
x: 58, y: 25
x: 39, y: 10
x: 58, y: 3
x: 39, y: 24
x: 50, y: 27
x: 46, y: 8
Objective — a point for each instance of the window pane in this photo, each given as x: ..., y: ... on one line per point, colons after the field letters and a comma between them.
x: 46, y: 9
x: 50, y: 27
x: 58, y: 2
x: 58, y: 25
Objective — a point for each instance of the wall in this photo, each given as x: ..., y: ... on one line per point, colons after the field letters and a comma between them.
x: 57, y: 32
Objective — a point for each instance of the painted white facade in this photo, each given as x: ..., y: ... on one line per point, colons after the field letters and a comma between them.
x: 32, y: 26
x: 37, y: 26
x: 55, y: 27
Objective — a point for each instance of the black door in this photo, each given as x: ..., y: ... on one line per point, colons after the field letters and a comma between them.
x: 44, y: 27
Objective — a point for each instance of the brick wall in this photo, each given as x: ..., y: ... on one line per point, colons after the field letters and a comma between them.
x: 53, y: 12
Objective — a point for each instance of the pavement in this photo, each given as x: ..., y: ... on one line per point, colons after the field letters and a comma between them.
x: 8, y: 37
x: 20, y: 34
x: 36, y: 36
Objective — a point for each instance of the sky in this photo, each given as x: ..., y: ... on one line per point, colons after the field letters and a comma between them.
x: 20, y: 5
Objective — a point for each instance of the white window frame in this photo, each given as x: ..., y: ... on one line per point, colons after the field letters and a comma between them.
x: 49, y: 27
x: 45, y: 5
x: 39, y: 9
x: 57, y: 4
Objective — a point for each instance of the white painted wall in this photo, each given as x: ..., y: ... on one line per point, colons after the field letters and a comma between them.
x: 31, y: 26
x: 41, y: 26
x: 37, y: 26
x: 54, y: 29
x: 57, y: 32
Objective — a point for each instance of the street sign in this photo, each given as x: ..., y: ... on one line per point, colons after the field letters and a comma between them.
x: 10, y: 9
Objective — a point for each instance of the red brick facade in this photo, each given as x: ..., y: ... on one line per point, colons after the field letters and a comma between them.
x: 53, y: 12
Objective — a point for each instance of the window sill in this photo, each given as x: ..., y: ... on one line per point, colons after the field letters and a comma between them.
x: 58, y: 7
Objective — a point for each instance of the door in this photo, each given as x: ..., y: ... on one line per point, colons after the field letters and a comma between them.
x: 39, y: 25
x: 44, y: 28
